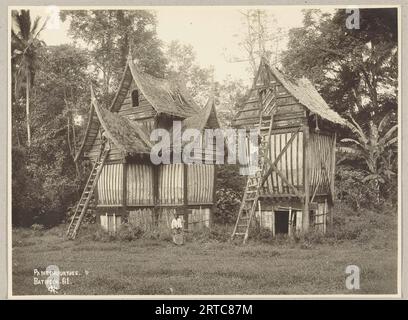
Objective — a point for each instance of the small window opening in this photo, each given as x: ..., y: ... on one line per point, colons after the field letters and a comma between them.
x: 135, y: 98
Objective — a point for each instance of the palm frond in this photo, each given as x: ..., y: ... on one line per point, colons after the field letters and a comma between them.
x: 349, y: 150
x: 351, y: 140
x: 35, y: 25
x: 355, y: 127
x: 391, y: 142
x: 388, y: 134
x: 383, y: 122
x: 373, y: 176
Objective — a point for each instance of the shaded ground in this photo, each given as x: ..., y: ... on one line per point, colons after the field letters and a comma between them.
x: 146, y: 266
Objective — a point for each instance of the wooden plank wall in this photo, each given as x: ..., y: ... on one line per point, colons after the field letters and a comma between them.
x: 110, y: 187
x: 110, y: 223
x: 144, y: 113
x: 321, y: 148
x: 139, y: 184
x: 289, y: 113
x: 200, y: 183
x: 114, y: 153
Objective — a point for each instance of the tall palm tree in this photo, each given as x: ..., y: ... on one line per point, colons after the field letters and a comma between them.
x: 375, y: 147
x: 24, y: 46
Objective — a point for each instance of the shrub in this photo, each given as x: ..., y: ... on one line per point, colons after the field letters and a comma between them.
x: 352, y: 189
x: 129, y: 232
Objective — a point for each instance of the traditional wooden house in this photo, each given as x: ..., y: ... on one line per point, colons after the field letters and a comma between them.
x: 294, y: 186
x: 125, y: 183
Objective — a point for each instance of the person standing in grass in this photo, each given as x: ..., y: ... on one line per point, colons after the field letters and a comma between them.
x: 177, y: 229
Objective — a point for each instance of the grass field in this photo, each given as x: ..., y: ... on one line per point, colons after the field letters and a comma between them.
x: 208, y: 266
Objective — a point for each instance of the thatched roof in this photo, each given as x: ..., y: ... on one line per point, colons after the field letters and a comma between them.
x: 166, y: 96
x: 128, y: 136
x: 301, y: 89
x: 304, y: 91
x: 205, y: 118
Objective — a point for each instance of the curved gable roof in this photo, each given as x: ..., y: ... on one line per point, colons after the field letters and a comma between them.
x: 166, y: 96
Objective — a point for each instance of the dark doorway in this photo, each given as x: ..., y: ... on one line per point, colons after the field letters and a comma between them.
x: 281, y: 222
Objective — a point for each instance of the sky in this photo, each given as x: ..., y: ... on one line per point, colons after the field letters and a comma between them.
x: 214, y: 32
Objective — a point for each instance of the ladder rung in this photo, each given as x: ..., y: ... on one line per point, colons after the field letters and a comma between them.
x: 239, y: 233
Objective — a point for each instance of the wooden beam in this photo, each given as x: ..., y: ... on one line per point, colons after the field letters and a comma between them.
x: 285, y: 180
x: 273, y: 164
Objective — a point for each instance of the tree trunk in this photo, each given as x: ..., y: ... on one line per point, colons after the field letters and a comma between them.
x: 28, y: 81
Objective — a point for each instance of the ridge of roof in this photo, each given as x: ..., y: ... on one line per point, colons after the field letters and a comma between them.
x: 302, y: 90
x: 169, y: 97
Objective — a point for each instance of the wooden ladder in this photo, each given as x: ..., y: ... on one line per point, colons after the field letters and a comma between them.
x: 254, y: 183
x: 87, y: 194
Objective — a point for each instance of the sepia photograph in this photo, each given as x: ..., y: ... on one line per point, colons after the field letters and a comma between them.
x: 182, y: 151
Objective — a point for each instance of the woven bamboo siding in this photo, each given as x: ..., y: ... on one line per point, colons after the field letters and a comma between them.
x: 110, y: 186
x: 321, y: 166
x: 290, y: 164
x: 171, y: 184
x: 139, y: 184
x: 200, y: 183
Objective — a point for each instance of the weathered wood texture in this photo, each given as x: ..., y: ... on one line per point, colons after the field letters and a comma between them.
x: 110, y: 222
x: 114, y: 153
x: 289, y: 112
x: 110, y: 186
x: 144, y: 113
x: 290, y: 163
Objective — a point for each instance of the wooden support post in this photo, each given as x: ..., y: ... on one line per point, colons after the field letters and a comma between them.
x: 306, y: 182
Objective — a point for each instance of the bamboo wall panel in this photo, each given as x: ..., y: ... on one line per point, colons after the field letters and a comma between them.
x: 290, y: 164
x: 171, y: 183
x: 139, y: 184
x: 110, y: 186
x: 200, y: 183
x: 321, y: 166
